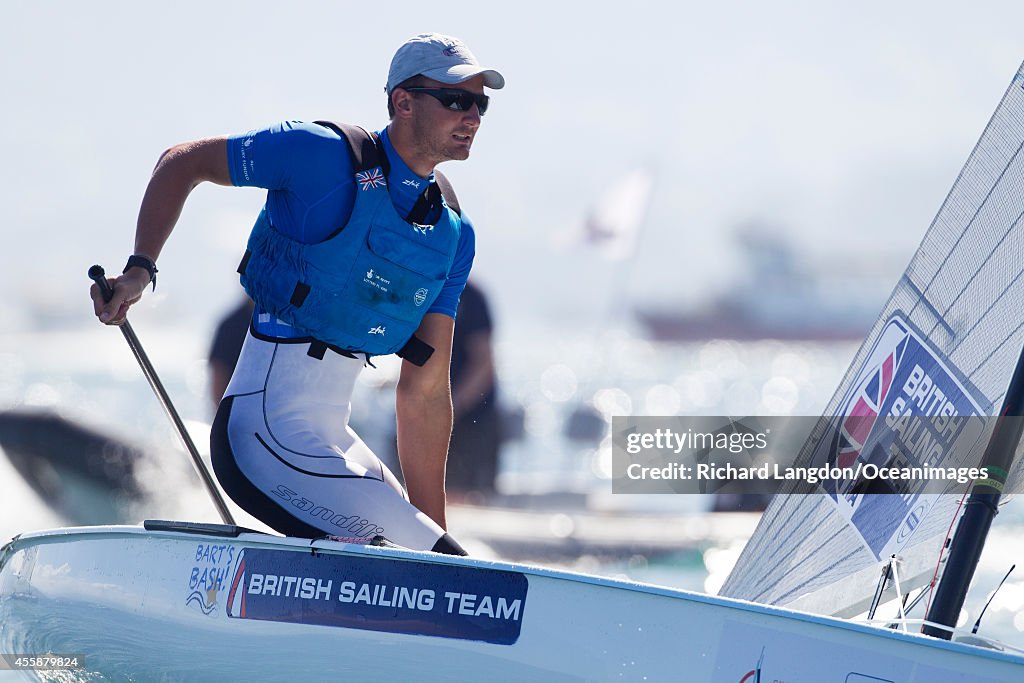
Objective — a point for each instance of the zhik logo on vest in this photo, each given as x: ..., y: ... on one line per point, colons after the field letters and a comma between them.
x: 380, y: 329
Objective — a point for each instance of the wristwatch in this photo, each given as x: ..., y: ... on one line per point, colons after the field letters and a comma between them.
x: 143, y: 262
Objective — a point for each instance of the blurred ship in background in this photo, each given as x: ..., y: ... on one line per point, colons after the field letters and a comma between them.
x: 781, y: 296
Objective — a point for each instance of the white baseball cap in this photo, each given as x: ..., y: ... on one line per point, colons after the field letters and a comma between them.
x: 441, y: 58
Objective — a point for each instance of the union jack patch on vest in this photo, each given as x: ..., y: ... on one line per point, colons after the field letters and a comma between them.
x: 371, y: 179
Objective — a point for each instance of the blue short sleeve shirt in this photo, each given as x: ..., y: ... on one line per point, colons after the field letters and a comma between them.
x: 308, y: 175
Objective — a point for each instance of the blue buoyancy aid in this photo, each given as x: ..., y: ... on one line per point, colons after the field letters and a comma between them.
x: 366, y: 287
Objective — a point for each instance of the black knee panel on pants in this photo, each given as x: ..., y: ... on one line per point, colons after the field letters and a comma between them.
x: 244, y: 492
x: 449, y: 546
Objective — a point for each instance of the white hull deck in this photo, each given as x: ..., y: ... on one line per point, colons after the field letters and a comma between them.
x: 170, y: 604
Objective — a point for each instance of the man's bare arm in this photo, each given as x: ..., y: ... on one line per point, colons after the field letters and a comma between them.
x: 424, y: 410
x: 179, y: 170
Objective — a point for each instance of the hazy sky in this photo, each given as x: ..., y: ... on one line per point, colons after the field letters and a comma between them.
x: 841, y: 124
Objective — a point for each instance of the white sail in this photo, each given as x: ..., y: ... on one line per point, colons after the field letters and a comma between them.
x: 960, y: 306
x: 614, y: 222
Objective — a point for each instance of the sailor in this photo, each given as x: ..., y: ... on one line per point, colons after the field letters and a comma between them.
x: 361, y: 250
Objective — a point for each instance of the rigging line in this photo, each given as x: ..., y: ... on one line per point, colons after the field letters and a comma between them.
x: 880, y: 588
x: 899, y: 597
x: 909, y: 608
x: 942, y: 549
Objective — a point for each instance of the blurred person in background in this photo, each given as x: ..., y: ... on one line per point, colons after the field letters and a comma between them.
x: 225, y: 347
x: 474, y: 452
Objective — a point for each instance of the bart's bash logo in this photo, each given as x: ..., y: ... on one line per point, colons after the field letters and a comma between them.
x: 209, y: 575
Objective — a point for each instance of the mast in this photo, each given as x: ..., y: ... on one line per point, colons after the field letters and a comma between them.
x: 981, y: 509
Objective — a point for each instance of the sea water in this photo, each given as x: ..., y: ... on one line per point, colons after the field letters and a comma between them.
x: 88, y: 375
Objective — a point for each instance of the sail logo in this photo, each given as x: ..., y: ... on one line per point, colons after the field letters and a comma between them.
x: 907, y: 410
x: 911, y: 523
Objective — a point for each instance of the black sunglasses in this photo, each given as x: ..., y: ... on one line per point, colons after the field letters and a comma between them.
x: 455, y: 99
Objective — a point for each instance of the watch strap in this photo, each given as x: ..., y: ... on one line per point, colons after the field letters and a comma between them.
x: 140, y: 261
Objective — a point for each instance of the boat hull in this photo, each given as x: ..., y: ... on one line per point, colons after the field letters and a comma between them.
x: 173, y: 604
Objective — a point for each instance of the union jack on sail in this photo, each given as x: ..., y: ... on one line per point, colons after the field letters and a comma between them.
x: 867, y: 404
